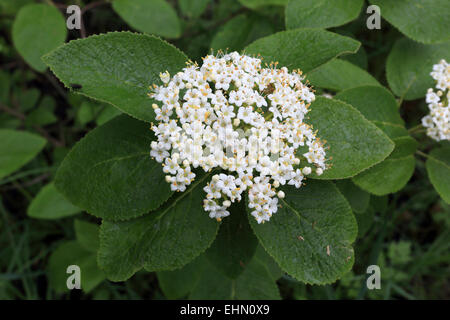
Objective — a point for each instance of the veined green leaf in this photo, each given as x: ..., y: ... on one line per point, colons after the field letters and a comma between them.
x: 109, y: 173
x: 379, y: 106
x: 408, y: 74
x: 235, y: 243
x: 310, y: 235
x: 321, y: 13
x: 165, y: 239
x: 354, y: 142
x: 338, y: 75
x: 116, y: 68
x: 422, y: 20
x: 306, y: 49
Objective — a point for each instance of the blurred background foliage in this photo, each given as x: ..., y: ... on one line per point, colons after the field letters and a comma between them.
x: 406, y: 233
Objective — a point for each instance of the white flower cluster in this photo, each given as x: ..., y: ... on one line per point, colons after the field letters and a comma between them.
x: 438, y: 121
x: 232, y: 114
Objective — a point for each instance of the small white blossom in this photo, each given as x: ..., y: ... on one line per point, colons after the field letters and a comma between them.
x: 232, y: 115
x: 438, y: 121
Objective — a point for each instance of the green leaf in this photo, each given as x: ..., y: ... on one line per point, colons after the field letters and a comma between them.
x: 357, y: 198
x: 72, y: 253
x: 240, y: 31
x: 438, y: 168
x: 50, y: 204
x: 86, y: 113
x: 365, y: 221
x: 253, y: 4
x: 8, y: 7
x: 178, y: 283
x: 87, y: 235
x: 321, y: 13
x: 379, y: 106
x: 107, y: 114
x: 265, y: 259
x: 150, y: 16
x: 374, y: 102
x: 338, y: 75
x: 109, y: 173
x: 193, y: 8
x: 200, y: 276
x: 408, y: 74
x: 310, y: 236
x: 27, y: 99
x: 17, y: 148
x: 165, y: 239
x: 38, y: 29
x: 306, y: 49
x: 404, y: 146
x: 117, y: 68
x: 354, y: 142
x: 388, y: 176
x: 421, y: 20
x: 254, y: 283
x: 235, y: 243
x: 44, y: 114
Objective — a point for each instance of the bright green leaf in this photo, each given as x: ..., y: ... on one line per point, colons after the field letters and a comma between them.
x: 354, y: 142
x: 388, y: 176
x: 165, y: 239
x: 438, y: 168
x: 310, y: 235
x: 338, y: 75
x: 50, y: 204
x: 409, y: 65
x: 117, y: 68
x: 379, y: 106
x: 422, y: 20
x: 306, y: 49
x: 38, y: 29
x: 109, y: 173
x: 17, y: 148
x: 374, y: 102
x: 321, y: 13
x: 150, y: 16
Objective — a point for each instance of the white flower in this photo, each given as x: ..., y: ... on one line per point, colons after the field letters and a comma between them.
x: 232, y: 115
x: 438, y: 121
